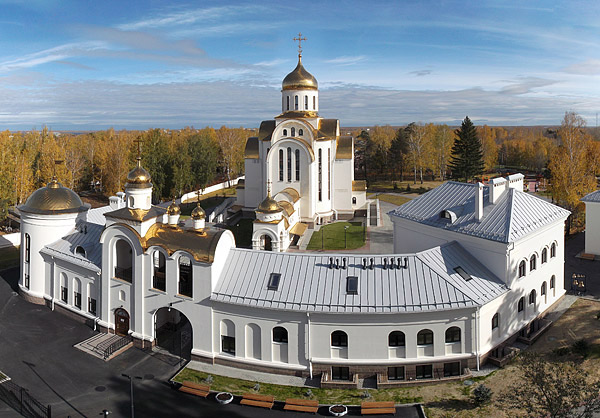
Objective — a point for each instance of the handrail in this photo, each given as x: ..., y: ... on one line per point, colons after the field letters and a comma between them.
x: 117, y: 345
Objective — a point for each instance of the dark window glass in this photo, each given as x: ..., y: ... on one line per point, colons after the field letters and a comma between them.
x: 396, y: 339
x: 305, y: 102
x: 340, y: 373
x: 452, y: 369
x: 522, y: 268
x: 396, y: 373
x: 424, y: 371
x: 552, y: 281
x: 543, y: 290
x: 273, y: 283
x: 295, y: 102
x: 320, y: 170
x: 495, y: 320
x: 544, y: 255
x: 285, y: 132
x: 462, y: 273
x: 532, y: 297
x: 352, y: 285
x: 159, y: 279
x: 553, y: 250
x: 289, y: 164
x: 425, y: 337
x: 228, y: 344
x: 297, y: 152
x: 92, y: 306
x: 314, y: 102
x: 521, y: 304
x: 533, y: 262
x: 453, y: 335
x: 280, y: 335
x: 293, y: 131
x: 185, y: 277
x: 288, y: 105
x: 64, y: 293
x: 300, y: 132
x: 27, y: 281
x: 280, y: 165
x: 77, y: 300
x: 27, y: 247
x: 339, y: 339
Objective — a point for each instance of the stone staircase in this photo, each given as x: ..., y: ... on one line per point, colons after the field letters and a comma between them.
x: 98, y: 344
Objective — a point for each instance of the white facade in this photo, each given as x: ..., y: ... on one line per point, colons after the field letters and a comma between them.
x: 592, y: 223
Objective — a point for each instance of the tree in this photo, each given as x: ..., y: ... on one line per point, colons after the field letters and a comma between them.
x: 231, y: 143
x: 553, y: 389
x: 573, y: 173
x: 441, y: 149
x: 204, y: 159
x: 467, y: 157
x: 482, y: 394
x: 488, y: 147
x: 417, y: 144
x: 381, y: 138
x: 398, y: 150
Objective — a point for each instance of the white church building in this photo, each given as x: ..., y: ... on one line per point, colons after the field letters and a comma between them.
x: 299, y: 170
x: 475, y: 266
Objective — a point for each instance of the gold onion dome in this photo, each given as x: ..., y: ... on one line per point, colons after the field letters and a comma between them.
x: 198, y: 213
x: 269, y: 205
x: 138, y: 177
x: 53, y: 198
x: 173, y: 209
x: 299, y: 79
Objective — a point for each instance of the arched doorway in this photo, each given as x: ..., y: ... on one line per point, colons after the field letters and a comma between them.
x: 267, y: 246
x: 121, y: 322
x: 173, y: 332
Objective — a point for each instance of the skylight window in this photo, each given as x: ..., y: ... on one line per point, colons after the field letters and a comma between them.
x: 463, y: 273
x: 273, y: 283
x: 352, y: 285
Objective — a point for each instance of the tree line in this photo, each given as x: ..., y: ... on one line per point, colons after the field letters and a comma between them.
x: 178, y: 160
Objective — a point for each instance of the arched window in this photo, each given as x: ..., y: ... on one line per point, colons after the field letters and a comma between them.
x: 253, y: 342
x: 289, y: 164
x: 159, y: 279
x: 285, y: 132
x: 339, y: 339
x: 305, y: 102
x: 532, y: 297
x: 293, y: 131
x: 64, y: 288
x: 123, y: 269
x: 320, y: 173
x: 27, y: 248
x: 314, y: 102
x: 185, y: 277
x: 77, y: 293
x: 495, y: 321
x: 522, y: 268
x: 280, y: 335
x: 354, y: 200
x: 297, y: 152
x: 79, y: 250
x: 552, y: 282
x: 396, y: 339
x: 532, y: 263
x: 300, y: 132
x: 425, y: 337
x: 553, y: 250
x: 288, y: 103
x: 521, y: 304
x: 453, y: 335
x: 544, y: 255
x: 280, y: 165
x: 295, y: 102
x: 92, y: 298
x: 228, y: 337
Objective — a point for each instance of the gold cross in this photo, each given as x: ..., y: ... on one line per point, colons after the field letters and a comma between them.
x: 198, y: 193
x: 299, y: 39
x: 269, y: 187
x: 56, y: 163
x: 138, y: 141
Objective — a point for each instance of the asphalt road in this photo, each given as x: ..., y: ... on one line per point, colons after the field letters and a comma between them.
x: 36, y: 351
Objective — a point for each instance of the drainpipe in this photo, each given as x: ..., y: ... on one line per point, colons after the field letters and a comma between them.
x: 477, y: 336
x: 310, y: 369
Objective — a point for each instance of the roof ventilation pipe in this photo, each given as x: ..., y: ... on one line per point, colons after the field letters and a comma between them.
x: 371, y: 263
x: 384, y: 263
x: 497, y: 187
x: 364, y: 265
x: 391, y: 263
x: 344, y: 263
x: 479, y: 201
x: 405, y: 262
x: 337, y: 263
x: 330, y: 262
x: 399, y: 263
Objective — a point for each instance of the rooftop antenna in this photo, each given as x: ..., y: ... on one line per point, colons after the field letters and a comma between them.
x: 299, y: 39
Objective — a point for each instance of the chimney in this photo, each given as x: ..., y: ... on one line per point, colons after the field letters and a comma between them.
x: 497, y: 187
x: 515, y: 181
x: 479, y: 201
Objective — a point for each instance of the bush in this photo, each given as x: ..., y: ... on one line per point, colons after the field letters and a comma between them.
x: 561, y: 351
x: 598, y: 315
x: 581, y: 347
x: 482, y: 394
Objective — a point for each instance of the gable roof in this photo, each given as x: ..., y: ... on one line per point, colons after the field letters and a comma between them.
x: 428, y: 282
x: 85, y: 235
x: 593, y: 197
x: 512, y: 217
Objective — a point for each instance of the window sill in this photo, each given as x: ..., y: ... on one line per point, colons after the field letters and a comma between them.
x: 122, y: 280
x: 184, y: 297
x: 160, y: 292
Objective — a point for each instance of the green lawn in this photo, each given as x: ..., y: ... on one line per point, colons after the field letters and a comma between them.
x: 391, y: 198
x: 281, y: 393
x: 9, y: 257
x: 333, y: 238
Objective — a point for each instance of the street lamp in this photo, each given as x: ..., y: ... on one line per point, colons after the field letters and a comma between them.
x: 345, y: 241
x: 131, y: 389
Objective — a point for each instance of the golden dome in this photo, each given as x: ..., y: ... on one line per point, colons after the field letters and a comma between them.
x: 138, y: 177
x: 173, y: 209
x: 53, y: 199
x: 198, y: 213
x: 299, y: 79
x: 269, y: 205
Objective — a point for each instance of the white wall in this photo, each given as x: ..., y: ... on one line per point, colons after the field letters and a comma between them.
x: 592, y: 228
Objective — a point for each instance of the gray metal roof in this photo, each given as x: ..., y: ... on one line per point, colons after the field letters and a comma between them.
x: 511, y: 218
x: 593, y: 197
x: 428, y: 283
x: 86, y: 235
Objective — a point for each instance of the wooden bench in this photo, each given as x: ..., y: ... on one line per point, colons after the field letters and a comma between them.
x: 587, y: 256
x: 197, y: 389
x: 264, y: 401
x: 302, y: 405
x: 370, y: 408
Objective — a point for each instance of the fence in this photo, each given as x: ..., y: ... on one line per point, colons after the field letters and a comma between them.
x: 115, y: 346
x: 214, y: 188
x: 21, y: 401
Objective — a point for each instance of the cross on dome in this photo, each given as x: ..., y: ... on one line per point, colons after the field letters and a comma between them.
x: 300, y: 39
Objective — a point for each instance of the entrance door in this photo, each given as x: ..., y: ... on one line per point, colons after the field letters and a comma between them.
x: 121, y: 322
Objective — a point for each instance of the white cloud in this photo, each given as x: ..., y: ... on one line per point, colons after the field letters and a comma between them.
x: 49, y: 55
x: 346, y: 60
x: 589, y: 67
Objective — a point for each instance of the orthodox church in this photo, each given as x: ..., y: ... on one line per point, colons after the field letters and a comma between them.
x: 475, y: 266
x: 301, y: 166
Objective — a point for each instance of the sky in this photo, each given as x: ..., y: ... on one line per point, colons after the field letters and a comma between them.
x: 138, y: 64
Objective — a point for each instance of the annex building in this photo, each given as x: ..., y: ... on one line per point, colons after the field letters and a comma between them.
x: 475, y: 266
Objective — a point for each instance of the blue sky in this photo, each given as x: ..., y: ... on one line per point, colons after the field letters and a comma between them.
x: 77, y: 65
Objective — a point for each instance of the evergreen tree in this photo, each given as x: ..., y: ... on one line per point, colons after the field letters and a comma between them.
x: 467, y: 155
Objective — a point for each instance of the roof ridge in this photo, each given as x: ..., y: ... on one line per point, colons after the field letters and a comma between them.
x: 510, y: 196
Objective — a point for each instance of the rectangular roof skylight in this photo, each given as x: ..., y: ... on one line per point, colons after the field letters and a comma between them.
x: 352, y: 285
x: 463, y: 273
x: 273, y: 283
